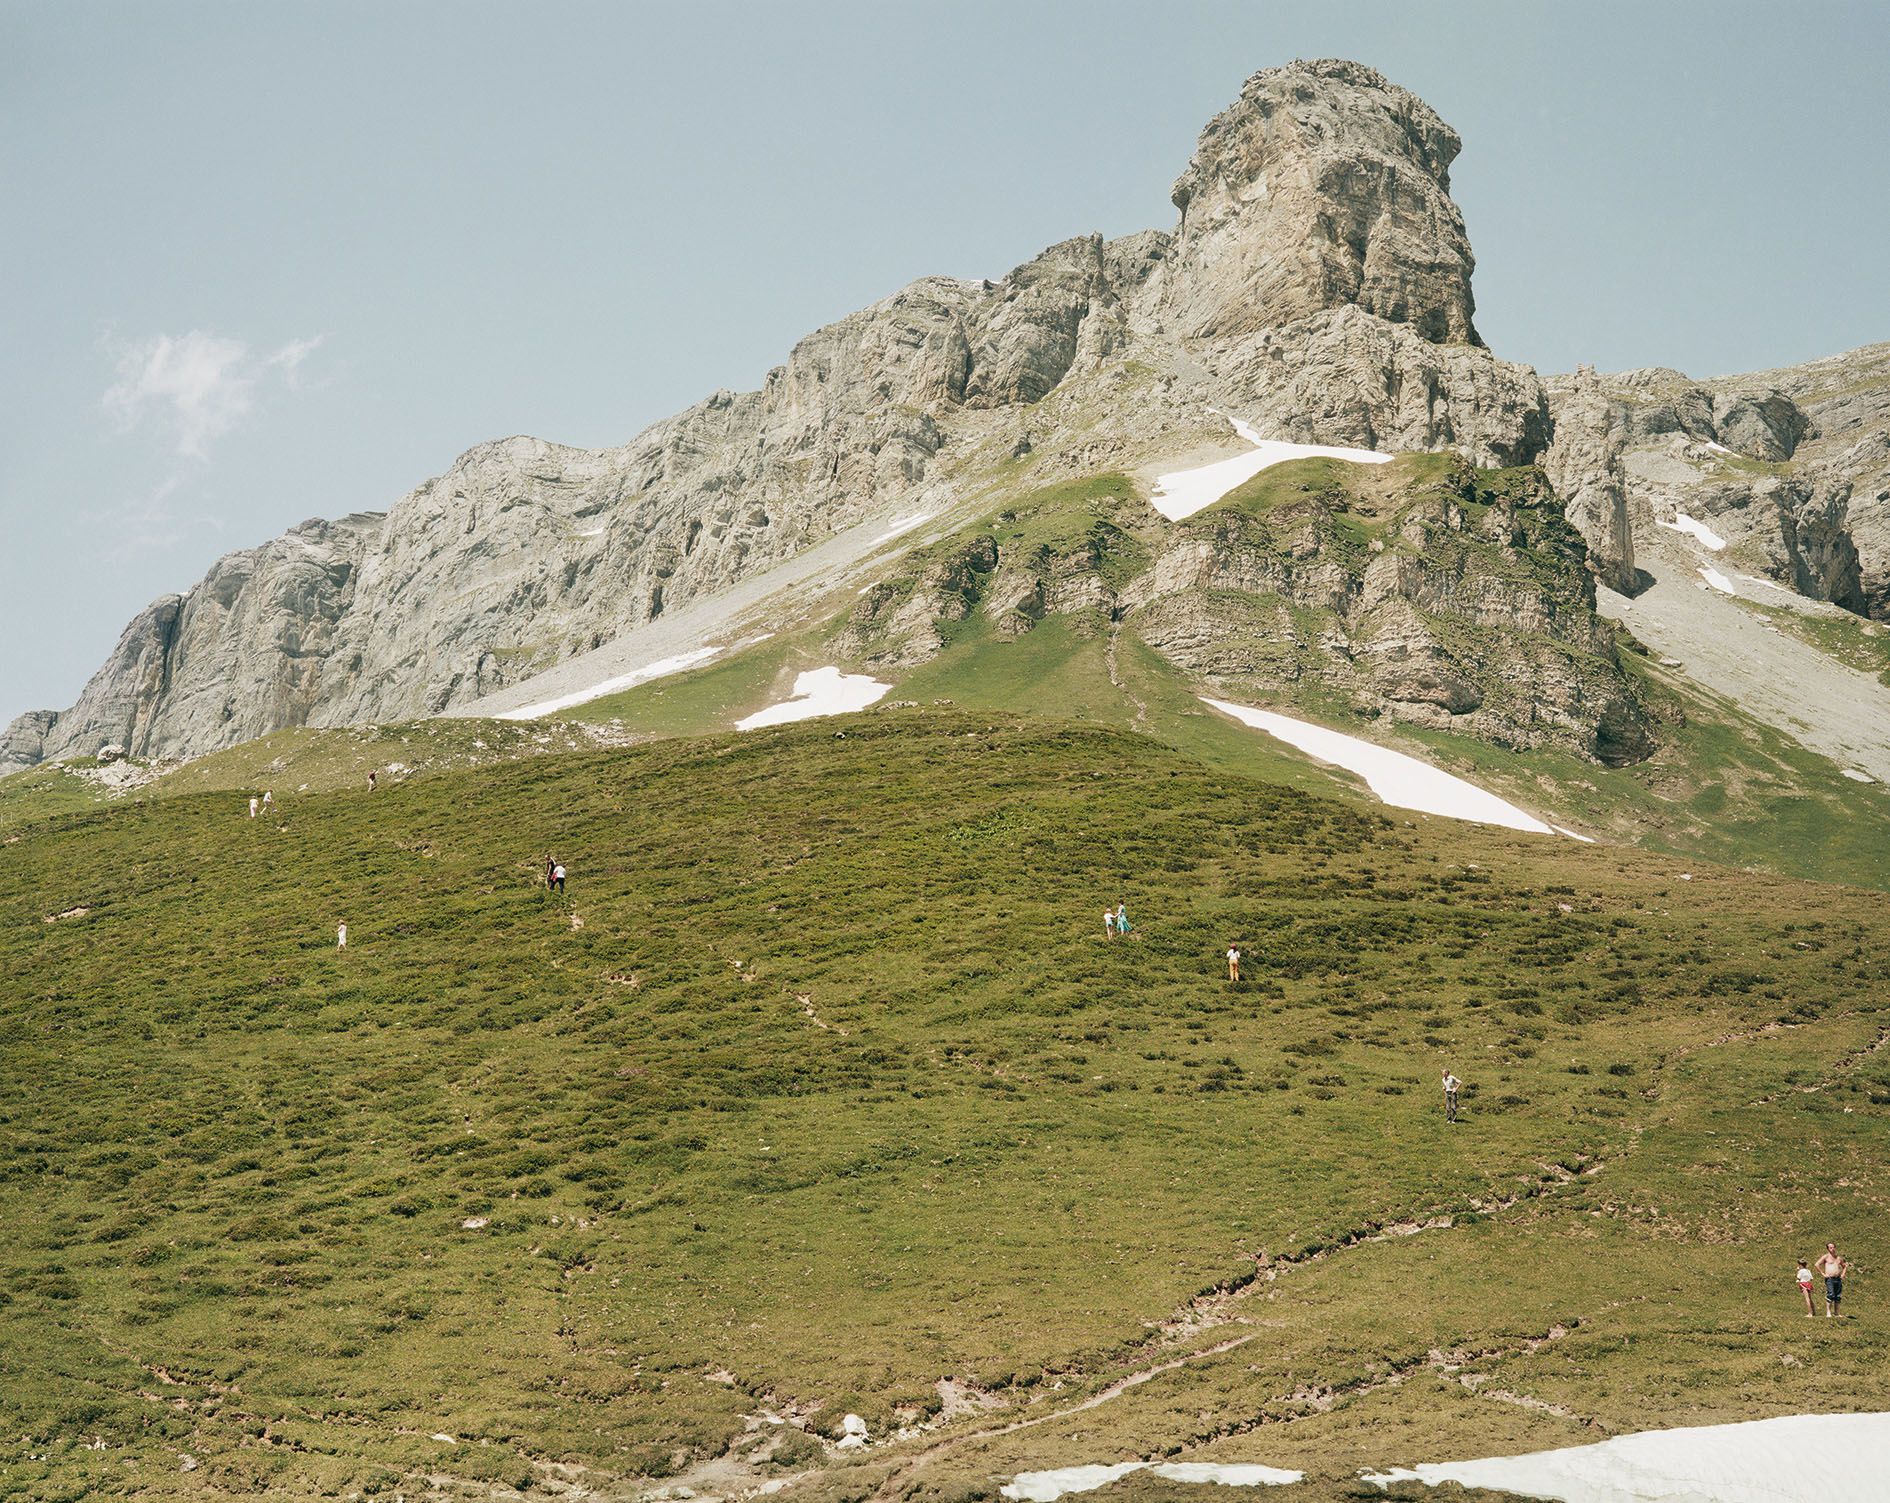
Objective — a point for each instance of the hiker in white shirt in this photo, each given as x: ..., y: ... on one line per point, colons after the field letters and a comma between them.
x: 1451, y: 1086
x: 1233, y: 964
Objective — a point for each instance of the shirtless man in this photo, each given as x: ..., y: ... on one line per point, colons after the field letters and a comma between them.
x: 1452, y: 1085
x: 1833, y: 1267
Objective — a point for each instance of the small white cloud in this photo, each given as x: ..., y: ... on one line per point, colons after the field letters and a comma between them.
x: 197, y: 385
x: 289, y: 358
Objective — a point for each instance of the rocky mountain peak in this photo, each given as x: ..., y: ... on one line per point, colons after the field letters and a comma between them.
x: 1323, y: 184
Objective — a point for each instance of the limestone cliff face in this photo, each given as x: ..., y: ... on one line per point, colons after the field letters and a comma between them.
x: 1791, y: 468
x: 1322, y: 185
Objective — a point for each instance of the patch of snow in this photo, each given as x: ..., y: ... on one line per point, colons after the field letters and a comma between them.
x: 1711, y: 447
x: 1718, y: 581
x: 1858, y: 777
x: 594, y: 532
x: 1397, y: 779
x: 1770, y: 584
x: 1574, y: 835
x: 1185, y: 492
x: 1047, y: 1487
x: 820, y: 691
x: 1694, y: 528
x: 900, y: 525
x: 1798, y: 1458
x: 662, y: 668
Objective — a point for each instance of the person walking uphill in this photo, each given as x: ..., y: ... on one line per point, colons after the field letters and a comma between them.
x: 1233, y: 964
x: 554, y: 876
x: 1833, y: 1266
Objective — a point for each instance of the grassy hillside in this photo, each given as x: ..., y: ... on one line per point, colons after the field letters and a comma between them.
x: 822, y: 1085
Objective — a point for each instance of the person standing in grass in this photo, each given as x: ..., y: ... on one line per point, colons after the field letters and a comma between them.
x: 253, y: 802
x: 269, y: 801
x: 1804, y: 1288
x: 1122, y: 919
x: 1233, y: 964
x: 341, y: 936
x: 373, y: 780
x: 1109, y: 922
x: 554, y: 876
x: 1832, y: 1266
x: 1452, y: 1086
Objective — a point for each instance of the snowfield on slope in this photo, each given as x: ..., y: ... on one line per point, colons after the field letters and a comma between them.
x: 1798, y: 1458
x: 1185, y: 492
x: 819, y: 691
x: 1397, y: 779
x: 1694, y: 528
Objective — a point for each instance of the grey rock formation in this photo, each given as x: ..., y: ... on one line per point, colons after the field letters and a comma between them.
x: 1791, y: 468
x: 1457, y: 601
x: 1322, y: 184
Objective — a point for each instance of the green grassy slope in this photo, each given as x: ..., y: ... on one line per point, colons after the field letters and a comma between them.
x: 822, y: 1084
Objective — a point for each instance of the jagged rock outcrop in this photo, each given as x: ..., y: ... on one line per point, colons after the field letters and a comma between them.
x: 1344, y: 376
x: 1441, y: 596
x: 1323, y: 184
x: 1790, y: 468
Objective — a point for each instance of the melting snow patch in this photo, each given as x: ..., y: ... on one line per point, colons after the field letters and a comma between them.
x: 821, y: 691
x: 1185, y: 492
x: 1694, y: 529
x: 1718, y: 581
x: 1770, y: 584
x: 595, y: 532
x: 1858, y: 777
x: 1047, y: 1487
x: 900, y: 525
x: 1799, y: 1458
x: 1397, y: 779
x: 1574, y: 835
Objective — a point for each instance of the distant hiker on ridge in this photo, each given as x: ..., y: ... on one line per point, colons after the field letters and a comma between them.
x: 1804, y: 1288
x: 1233, y: 964
x: 1452, y: 1085
x: 1833, y: 1266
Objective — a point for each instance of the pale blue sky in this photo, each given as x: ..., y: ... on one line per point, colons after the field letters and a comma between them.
x: 260, y: 262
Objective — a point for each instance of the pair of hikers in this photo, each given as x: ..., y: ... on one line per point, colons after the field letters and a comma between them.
x: 261, y: 805
x: 1831, y: 1266
x: 1115, y: 921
